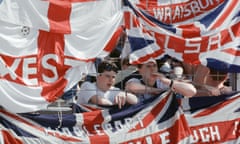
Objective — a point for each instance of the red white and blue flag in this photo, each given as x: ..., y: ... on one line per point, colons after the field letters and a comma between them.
x: 158, y: 120
x: 197, y: 32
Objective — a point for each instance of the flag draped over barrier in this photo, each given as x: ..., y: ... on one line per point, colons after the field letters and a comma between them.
x: 197, y: 32
x: 157, y: 120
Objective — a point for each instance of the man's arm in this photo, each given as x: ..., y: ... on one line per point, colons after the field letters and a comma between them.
x: 181, y: 87
x: 139, y: 88
x: 100, y: 101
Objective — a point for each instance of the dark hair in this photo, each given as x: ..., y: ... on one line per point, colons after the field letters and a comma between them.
x: 107, y: 66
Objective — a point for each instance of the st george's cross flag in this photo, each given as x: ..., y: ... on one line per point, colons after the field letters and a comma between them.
x: 47, y: 45
x: 197, y: 32
x: 158, y: 120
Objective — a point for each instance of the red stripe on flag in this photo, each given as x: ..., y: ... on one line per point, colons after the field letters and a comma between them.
x: 236, y: 29
x: 155, y: 53
x: 51, y: 75
x: 127, y: 19
x: 226, y: 13
x: 232, y: 51
x: 58, y: 16
x: 215, y: 108
x: 114, y: 39
x: 8, y: 138
x: 146, y: 57
x: 151, y: 115
x: 81, y: 0
x: 89, y: 107
x: 70, y: 1
x: 93, y: 124
x: 190, y: 31
x: 220, y: 131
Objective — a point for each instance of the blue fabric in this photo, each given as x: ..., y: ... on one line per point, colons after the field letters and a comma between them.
x: 70, y: 93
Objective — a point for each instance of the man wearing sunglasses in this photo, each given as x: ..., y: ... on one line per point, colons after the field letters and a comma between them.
x: 102, y: 92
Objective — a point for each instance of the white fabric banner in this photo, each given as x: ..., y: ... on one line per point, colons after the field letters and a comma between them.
x: 39, y: 59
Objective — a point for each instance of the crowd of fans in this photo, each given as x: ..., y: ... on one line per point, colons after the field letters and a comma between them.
x: 130, y: 84
x: 117, y: 82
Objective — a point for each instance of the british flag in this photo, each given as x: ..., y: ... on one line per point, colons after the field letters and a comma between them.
x: 211, y: 37
x: 157, y: 120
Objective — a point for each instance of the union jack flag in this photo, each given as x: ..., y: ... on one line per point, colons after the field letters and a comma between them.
x: 157, y: 120
x: 211, y: 38
x: 217, y: 117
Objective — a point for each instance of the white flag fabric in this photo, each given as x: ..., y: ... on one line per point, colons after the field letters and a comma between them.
x: 58, y: 16
x: 46, y: 46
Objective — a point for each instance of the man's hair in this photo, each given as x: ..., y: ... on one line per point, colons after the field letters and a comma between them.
x: 107, y: 66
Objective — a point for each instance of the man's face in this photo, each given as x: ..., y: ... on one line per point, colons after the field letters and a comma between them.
x: 105, y: 80
x: 147, y: 69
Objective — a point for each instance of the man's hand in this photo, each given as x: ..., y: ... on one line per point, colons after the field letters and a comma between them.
x: 120, y: 100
